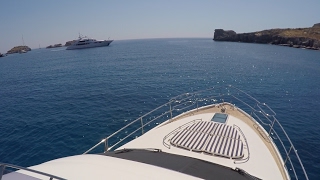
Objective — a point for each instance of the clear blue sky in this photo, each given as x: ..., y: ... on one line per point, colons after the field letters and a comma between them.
x: 45, y: 22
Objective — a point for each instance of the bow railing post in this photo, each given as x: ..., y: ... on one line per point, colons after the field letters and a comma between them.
x: 141, y: 126
x: 288, y: 155
x: 271, y: 126
x: 2, y: 168
x: 197, y: 105
x: 170, y: 111
x: 106, y: 145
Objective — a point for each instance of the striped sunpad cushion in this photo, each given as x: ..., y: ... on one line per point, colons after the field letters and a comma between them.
x: 230, y: 148
x: 225, y: 131
x: 212, y: 144
x: 226, y: 147
x: 202, y: 126
x: 189, y: 139
x: 214, y: 138
x: 196, y: 141
x: 178, y: 136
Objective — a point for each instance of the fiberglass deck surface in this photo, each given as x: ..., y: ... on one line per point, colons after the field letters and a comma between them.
x: 263, y: 162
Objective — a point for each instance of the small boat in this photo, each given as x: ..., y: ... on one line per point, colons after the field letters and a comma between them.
x: 22, y: 51
x: 23, y: 46
x: 217, y: 133
x: 85, y: 42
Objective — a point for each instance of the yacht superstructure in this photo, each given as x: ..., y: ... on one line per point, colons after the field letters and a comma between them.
x: 85, y: 42
x: 218, y: 133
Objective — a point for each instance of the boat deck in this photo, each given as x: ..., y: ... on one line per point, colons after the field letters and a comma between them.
x: 180, y: 135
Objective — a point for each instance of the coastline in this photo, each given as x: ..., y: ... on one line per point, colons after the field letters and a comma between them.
x: 307, y: 38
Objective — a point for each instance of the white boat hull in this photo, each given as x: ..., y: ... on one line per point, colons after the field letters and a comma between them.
x: 90, y: 45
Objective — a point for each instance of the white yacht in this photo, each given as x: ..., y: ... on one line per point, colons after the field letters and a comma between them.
x: 85, y: 42
x: 218, y: 133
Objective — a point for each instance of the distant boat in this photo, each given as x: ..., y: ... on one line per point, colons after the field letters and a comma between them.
x: 22, y: 51
x: 85, y: 42
x: 2, y: 55
x: 23, y: 46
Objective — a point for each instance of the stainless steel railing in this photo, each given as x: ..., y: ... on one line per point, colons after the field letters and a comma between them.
x: 177, y: 130
x: 246, y: 146
x: 3, y: 166
x: 188, y: 101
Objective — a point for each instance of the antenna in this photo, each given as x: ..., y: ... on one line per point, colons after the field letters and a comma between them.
x: 22, y: 40
x: 80, y: 36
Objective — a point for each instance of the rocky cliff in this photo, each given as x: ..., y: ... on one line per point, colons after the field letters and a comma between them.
x: 308, y: 38
x: 54, y: 46
x: 68, y: 43
x: 18, y: 49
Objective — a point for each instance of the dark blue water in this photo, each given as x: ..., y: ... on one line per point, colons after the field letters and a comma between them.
x: 56, y: 103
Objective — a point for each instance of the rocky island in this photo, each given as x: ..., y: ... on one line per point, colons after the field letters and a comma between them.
x: 22, y: 49
x: 68, y: 43
x: 54, y: 46
x: 308, y: 38
x: 19, y: 49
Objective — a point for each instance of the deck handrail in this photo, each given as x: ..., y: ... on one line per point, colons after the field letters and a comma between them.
x: 4, y: 165
x: 221, y: 94
x: 176, y: 131
x: 247, y: 146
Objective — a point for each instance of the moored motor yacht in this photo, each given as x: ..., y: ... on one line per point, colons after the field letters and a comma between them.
x: 85, y: 42
x: 218, y: 133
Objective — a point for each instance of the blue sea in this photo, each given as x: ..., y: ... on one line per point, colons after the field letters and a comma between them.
x: 56, y: 103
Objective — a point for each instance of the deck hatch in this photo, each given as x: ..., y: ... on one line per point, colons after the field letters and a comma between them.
x: 219, y: 117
